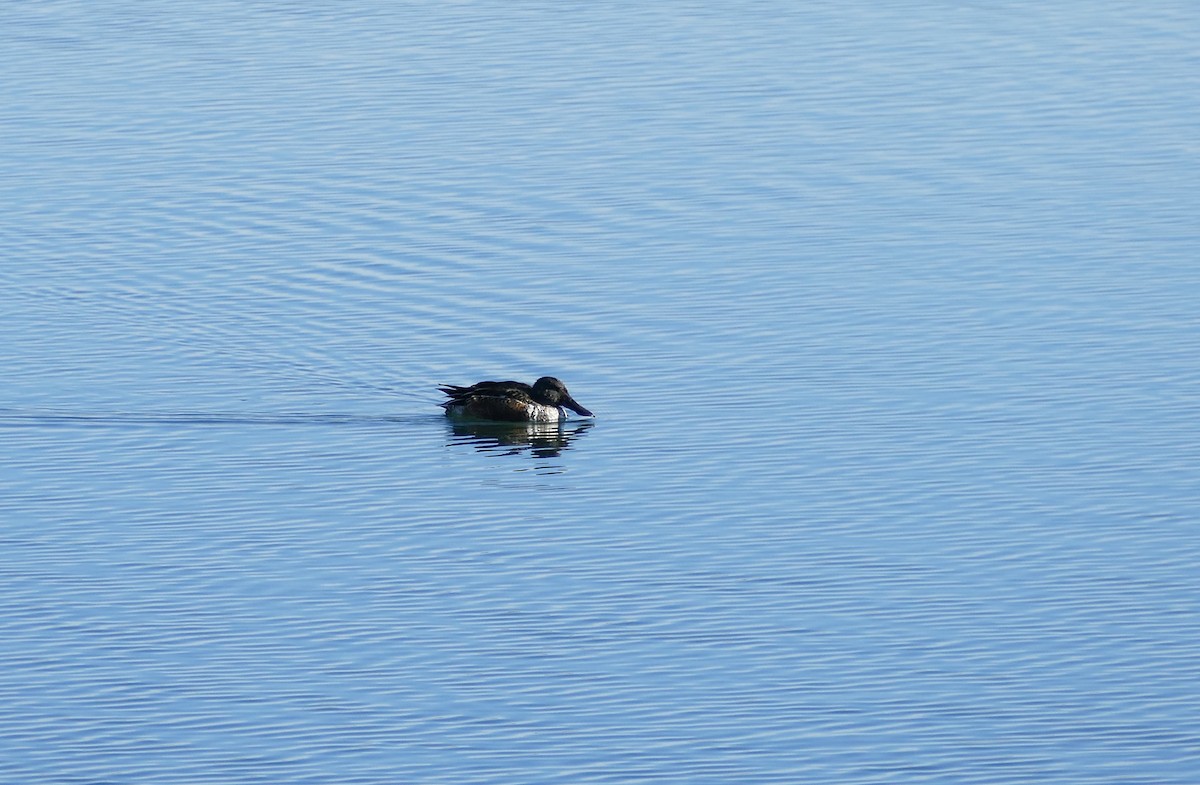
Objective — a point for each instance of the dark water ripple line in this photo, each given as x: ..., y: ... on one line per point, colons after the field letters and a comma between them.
x: 32, y: 418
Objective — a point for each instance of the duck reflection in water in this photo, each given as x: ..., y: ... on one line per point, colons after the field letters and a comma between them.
x: 540, y: 439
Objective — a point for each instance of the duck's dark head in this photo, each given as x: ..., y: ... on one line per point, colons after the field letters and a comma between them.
x: 551, y: 391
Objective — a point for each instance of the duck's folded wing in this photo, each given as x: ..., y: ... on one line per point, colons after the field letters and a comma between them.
x: 517, y: 390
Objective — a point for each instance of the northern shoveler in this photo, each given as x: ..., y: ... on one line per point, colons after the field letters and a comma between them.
x: 515, y: 401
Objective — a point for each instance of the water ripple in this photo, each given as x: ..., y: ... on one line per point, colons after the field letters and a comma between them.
x: 888, y: 320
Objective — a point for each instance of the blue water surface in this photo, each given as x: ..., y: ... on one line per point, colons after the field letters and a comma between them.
x: 887, y: 312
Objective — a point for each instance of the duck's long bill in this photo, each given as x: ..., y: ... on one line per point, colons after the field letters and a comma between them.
x: 571, y: 404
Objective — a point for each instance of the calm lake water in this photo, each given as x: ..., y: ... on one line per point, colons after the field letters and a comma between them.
x: 887, y: 312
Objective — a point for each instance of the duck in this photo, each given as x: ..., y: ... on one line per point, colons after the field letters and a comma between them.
x: 543, y: 401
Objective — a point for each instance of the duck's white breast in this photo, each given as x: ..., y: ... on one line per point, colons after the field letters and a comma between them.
x: 540, y: 412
